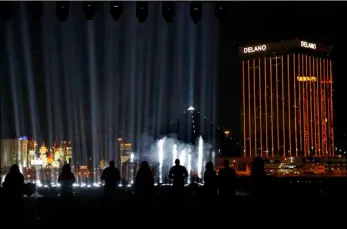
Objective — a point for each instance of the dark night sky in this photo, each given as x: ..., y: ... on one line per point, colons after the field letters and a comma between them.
x: 247, y: 22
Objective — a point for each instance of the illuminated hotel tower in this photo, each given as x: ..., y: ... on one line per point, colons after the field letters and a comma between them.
x: 287, y: 100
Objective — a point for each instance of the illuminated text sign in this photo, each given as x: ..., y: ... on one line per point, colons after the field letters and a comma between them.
x: 252, y: 49
x: 308, y: 45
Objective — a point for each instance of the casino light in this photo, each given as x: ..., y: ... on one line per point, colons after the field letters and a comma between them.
x: 168, y: 11
x: 62, y: 10
x: 220, y: 9
x: 35, y: 10
x: 195, y: 11
x: 89, y: 9
x: 142, y: 11
x: 5, y: 10
x: 116, y: 10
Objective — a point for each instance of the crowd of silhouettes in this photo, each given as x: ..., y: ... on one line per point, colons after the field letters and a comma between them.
x: 224, y: 183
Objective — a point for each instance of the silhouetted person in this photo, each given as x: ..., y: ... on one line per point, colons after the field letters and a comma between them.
x: 178, y: 174
x: 13, y: 190
x: 227, y: 181
x: 144, y: 181
x: 210, y: 180
x: 66, y: 180
x: 14, y: 183
x: 257, y: 176
x: 111, y: 177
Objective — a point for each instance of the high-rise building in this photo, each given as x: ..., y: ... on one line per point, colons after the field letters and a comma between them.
x: 16, y: 151
x: 287, y: 99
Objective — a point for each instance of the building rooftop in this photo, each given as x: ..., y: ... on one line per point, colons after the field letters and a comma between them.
x: 284, y: 46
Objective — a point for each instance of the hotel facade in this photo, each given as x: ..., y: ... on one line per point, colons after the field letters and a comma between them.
x: 287, y: 100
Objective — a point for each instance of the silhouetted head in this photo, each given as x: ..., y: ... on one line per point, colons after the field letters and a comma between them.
x: 226, y: 163
x: 209, y: 166
x: 258, y: 167
x: 112, y: 164
x: 144, y: 165
x: 177, y: 162
x: 66, y: 169
x: 14, y: 169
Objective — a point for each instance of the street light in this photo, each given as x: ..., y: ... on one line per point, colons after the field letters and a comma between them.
x: 227, y: 132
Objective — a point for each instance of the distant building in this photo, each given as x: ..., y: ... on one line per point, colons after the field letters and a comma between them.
x: 16, y: 151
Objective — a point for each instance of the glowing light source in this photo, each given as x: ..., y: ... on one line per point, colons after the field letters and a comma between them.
x: 191, y: 108
x: 306, y: 78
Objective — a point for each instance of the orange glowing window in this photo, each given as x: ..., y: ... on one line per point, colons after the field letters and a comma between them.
x: 306, y: 78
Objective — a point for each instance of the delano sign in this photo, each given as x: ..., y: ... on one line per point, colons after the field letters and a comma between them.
x: 253, y: 49
x: 308, y: 45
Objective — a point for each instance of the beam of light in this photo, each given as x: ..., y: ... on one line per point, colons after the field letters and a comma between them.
x: 214, y: 157
x: 93, y: 92
x: 13, y: 77
x: 174, y: 154
x: 191, y: 61
x: 132, y: 65
x: 161, y: 60
x: 73, y: 91
x: 200, y: 156
x: 47, y: 43
x: 111, y: 65
x: 161, y: 158
x: 189, y: 166
x: 55, y: 92
x: 29, y: 71
x: 182, y: 156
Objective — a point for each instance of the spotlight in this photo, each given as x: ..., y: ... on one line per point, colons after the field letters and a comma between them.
x: 5, y: 10
x: 116, y: 10
x: 35, y: 10
x: 62, y: 10
x: 195, y: 11
x: 89, y: 9
x: 142, y: 11
x: 168, y: 11
x: 220, y: 9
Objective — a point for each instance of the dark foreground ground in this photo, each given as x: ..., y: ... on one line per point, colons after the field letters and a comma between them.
x: 89, y: 209
x: 285, y: 197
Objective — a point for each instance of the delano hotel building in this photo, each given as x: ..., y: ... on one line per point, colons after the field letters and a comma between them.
x: 287, y: 99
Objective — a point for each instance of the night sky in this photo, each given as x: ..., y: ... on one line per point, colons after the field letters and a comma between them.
x: 243, y: 23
